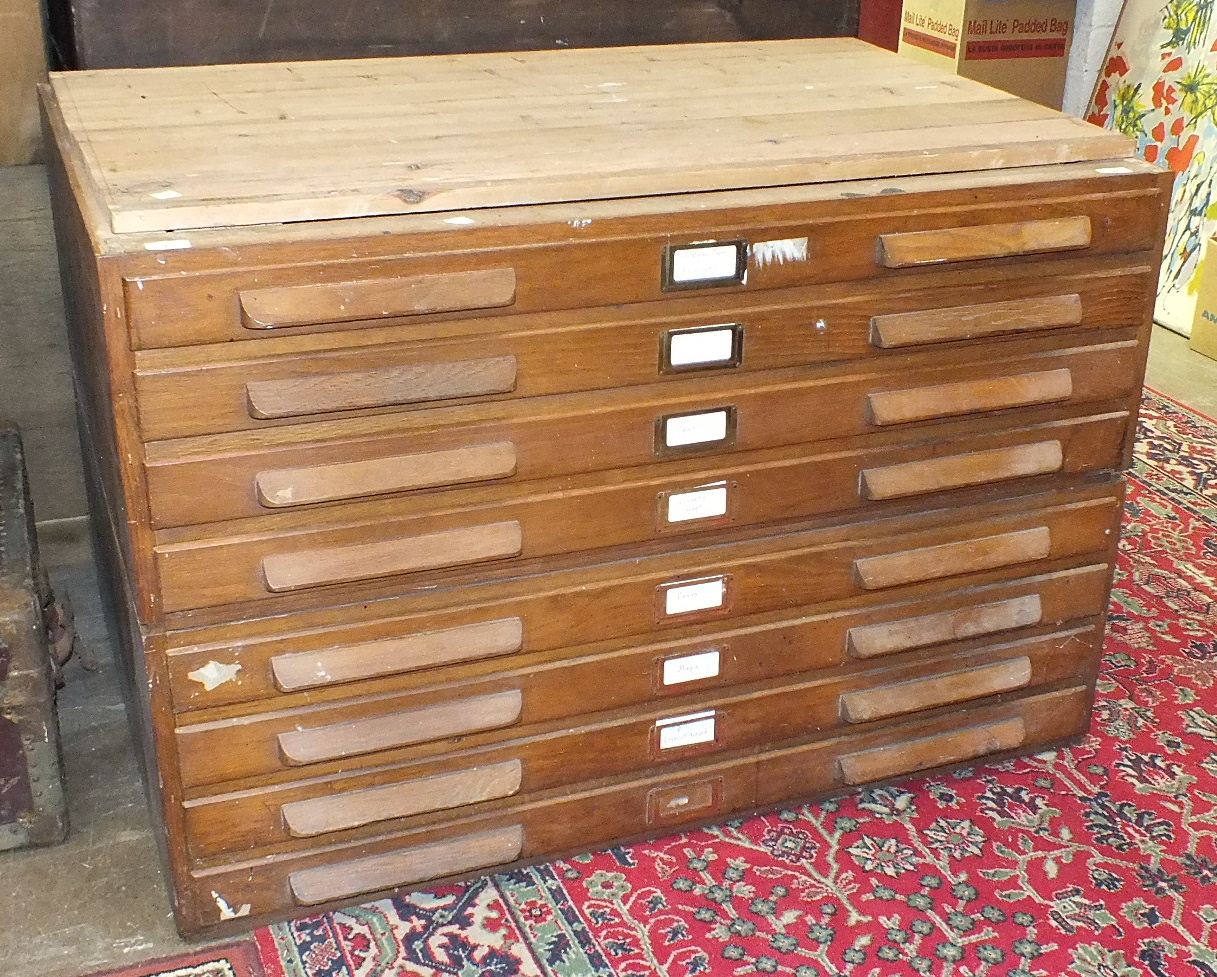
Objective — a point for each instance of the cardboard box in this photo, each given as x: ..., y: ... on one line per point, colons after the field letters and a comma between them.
x: 1204, y: 325
x: 22, y: 67
x: 1019, y: 46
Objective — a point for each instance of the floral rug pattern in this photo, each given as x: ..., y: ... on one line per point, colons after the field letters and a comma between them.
x: 1097, y: 861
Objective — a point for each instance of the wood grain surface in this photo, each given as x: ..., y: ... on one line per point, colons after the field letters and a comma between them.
x: 314, y: 140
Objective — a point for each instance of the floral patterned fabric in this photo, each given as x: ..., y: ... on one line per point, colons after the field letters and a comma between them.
x: 1159, y: 86
x: 1099, y: 861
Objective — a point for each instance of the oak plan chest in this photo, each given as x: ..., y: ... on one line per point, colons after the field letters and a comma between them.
x: 499, y: 456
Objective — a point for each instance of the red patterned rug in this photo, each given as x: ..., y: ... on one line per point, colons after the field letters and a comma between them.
x: 1097, y: 861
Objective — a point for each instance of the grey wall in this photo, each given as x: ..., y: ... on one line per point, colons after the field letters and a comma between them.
x: 35, y: 370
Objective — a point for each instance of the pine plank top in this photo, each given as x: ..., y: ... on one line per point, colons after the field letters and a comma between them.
x: 236, y: 145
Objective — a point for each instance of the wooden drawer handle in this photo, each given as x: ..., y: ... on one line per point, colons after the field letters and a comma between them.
x: 950, y: 559
x: 379, y: 298
x: 935, y: 690
x: 364, y: 561
x: 911, y: 248
x: 958, y: 471
x: 357, y: 736
x: 454, y: 856
x: 392, y: 656
x: 874, y: 640
x: 931, y: 751
x: 387, y: 387
x: 969, y: 397
x: 319, y: 815
x: 975, y: 321
x: 282, y: 487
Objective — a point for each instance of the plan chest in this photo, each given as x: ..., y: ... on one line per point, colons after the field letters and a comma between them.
x: 501, y: 456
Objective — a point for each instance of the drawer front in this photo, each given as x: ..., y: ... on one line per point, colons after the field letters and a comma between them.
x: 232, y: 476
x: 731, y: 588
x: 473, y: 649
x: 543, y: 267
x: 238, y: 386
x: 549, y: 823
x: 781, y: 572
x: 542, y: 759
x: 572, y: 517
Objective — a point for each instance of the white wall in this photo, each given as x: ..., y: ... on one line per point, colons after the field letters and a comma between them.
x: 1094, y: 22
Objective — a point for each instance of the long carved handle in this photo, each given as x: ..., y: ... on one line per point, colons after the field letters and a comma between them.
x: 975, y: 321
x: 899, y: 698
x: 453, y: 856
x: 365, y: 561
x: 949, y: 559
x: 388, y: 386
x: 391, y: 656
x: 459, y: 717
x: 931, y: 751
x: 280, y: 487
x: 890, y: 637
x: 909, y: 249
x: 379, y: 298
x: 960, y: 471
x: 336, y: 812
x: 969, y: 397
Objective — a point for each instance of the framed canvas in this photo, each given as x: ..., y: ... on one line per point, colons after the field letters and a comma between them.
x: 1159, y: 86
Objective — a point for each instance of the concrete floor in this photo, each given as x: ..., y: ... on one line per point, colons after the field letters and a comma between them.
x: 99, y: 900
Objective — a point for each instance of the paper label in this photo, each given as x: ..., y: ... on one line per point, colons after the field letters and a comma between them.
x: 695, y: 428
x: 701, y: 346
x: 704, y: 264
x: 690, y: 668
x: 686, y: 730
x: 695, y: 596
x: 699, y: 504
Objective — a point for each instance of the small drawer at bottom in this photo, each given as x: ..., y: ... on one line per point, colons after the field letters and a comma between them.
x: 562, y: 821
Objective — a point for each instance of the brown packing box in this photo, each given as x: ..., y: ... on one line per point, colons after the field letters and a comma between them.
x: 1019, y: 46
x: 1204, y: 325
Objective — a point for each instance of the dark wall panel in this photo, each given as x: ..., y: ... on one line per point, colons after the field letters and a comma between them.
x: 141, y: 33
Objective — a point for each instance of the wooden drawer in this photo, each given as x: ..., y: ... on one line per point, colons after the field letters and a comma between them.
x: 275, y: 557
x: 484, y: 768
x: 562, y: 821
x: 246, y: 385
x: 733, y: 586
x: 792, y: 570
x: 223, y: 477
x: 544, y: 266
x: 465, y: 648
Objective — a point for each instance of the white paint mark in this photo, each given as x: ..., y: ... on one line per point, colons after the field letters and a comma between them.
x: 212, y: 675
x: 177, y: 244
x: 779, y: 252
x: 459, y: 220
x: 1105, y: 170
x: 580, y: 223
x: 165, y: 195
x: 226, y: 911
x: 140, y: 285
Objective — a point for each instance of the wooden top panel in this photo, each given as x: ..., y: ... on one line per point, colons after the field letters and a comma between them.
x: 232, y: 145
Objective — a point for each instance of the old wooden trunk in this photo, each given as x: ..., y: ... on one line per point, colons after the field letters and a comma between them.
x: 32, y: 808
